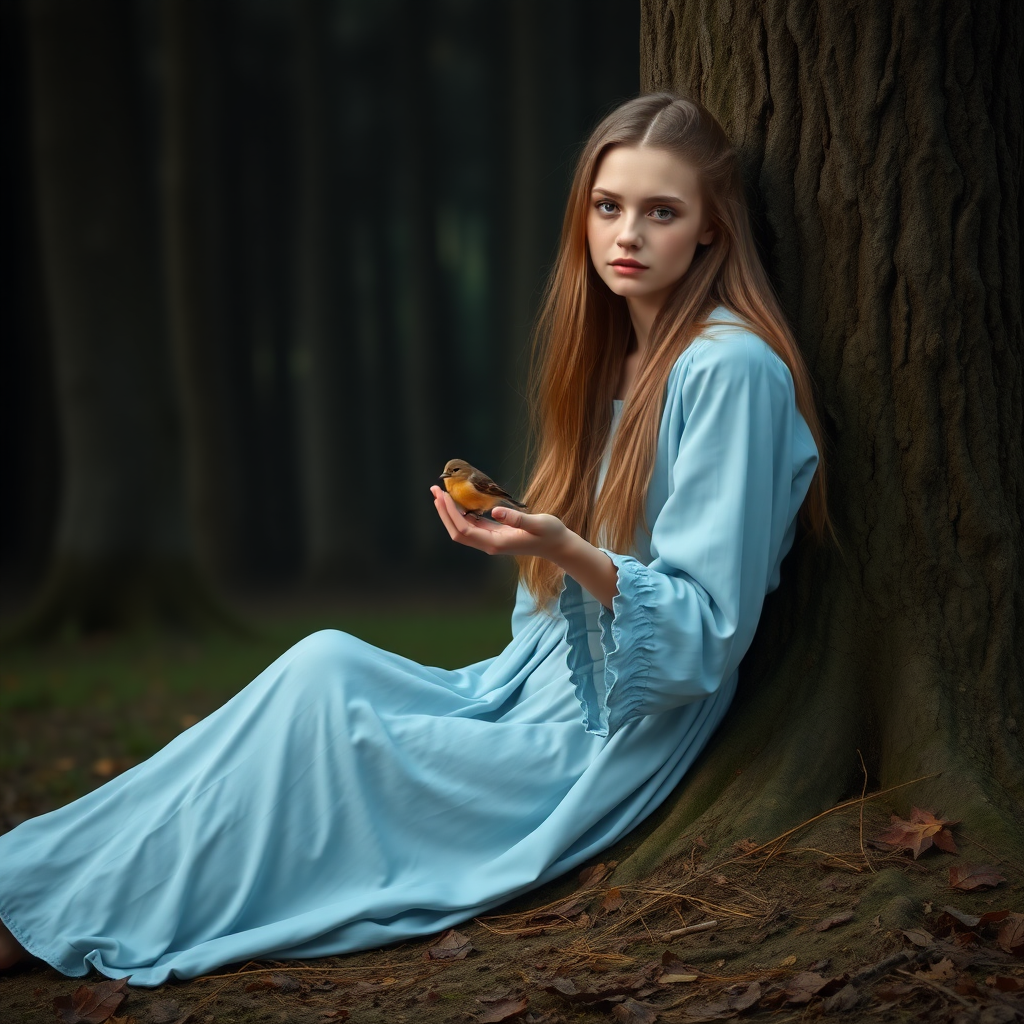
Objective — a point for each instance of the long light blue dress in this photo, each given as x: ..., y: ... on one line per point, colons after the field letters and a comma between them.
x: 348, y: 797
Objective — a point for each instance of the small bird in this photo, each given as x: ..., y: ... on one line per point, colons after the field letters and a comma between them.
x: 474, y: 491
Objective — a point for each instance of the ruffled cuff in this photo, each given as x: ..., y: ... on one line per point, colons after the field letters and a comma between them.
x: 611, y: 693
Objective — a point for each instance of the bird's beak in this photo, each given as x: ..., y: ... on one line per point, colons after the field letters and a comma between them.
x: 444, y: 475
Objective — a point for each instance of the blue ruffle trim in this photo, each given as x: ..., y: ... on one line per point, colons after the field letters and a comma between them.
x: 628, y: 642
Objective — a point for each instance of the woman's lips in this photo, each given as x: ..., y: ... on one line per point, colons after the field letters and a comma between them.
x: 628, y: 268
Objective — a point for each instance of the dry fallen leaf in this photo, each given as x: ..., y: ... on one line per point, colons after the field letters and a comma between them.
x: 788, y: 962
x: 919, y: 937
x: 612, y: 900
x: 502, y: 1009
x: 1011, y: 935
x: 595, y: 873
x: 1005, y: 984
x: 941, y: 971
x: 746, y: 998
x: 833, y: 921
x: 803, y: 987
x: 564, y: 911
x: 632, y: 1012
x: 452, y: 945
x: 918, y: 834
x: 969, y: 877
x: 91, y: 1004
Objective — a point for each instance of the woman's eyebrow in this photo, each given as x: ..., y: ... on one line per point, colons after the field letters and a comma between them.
x: 649, y: 199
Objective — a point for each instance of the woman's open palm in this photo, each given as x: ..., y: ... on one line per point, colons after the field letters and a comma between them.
x: 519, y: 533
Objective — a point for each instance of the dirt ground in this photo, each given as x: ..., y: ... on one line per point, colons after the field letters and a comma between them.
x: 814, y: 924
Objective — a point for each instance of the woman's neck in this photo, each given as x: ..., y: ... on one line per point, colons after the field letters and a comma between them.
x: 642, y: 315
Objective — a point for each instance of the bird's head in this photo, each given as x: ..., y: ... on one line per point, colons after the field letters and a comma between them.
x: 456, y: 469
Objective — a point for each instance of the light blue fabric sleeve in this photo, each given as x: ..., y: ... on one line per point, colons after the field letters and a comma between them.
x: 734, y: 461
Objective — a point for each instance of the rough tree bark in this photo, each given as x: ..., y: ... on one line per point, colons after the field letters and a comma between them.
x: 122, y: 550
x: 882, y: 147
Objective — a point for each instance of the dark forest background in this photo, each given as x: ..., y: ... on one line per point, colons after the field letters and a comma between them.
x: 325, y: 229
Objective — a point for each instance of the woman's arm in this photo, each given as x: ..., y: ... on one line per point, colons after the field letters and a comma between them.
x: 520, y: 533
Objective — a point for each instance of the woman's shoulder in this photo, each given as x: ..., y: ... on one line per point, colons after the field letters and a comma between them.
x: 727, y: 349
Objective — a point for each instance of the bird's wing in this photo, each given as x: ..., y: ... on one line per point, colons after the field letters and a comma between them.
x: 485, y: 485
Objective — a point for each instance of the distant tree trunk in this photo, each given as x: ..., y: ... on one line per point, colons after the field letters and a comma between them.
x: 122, y: 550
x: 194, y: 254
x: 419, y: 399
x: 527, y: 249
x: 884, y: 144
x: 328, y: 384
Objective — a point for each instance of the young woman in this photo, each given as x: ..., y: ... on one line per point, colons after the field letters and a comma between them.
x: 348, y: 797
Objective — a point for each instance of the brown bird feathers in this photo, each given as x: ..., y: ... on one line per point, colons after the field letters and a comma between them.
x: 474, y: 491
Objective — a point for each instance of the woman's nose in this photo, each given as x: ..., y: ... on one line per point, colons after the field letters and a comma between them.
x: 628, y: 237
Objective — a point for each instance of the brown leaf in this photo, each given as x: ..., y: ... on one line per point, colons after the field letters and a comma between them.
x: 941, y: 971
x: 745, y: 846
x: 503, y: 1009
x: 564, y: 911
x: 612, y: 990
x: 835, y: 919
x: 612, y: 900
x: 589, y: 877
x: 164, y: 1011
x: 957, y: 917
x: 919, y: 937
x: 452, y: 945
x: 91, y: 1004
x: 632, y: 1012
x: 994, y: 916
x: 1011, y: 935
x: 1004, y: 984
x: 803, y: 987
x: 969, y: 877
x: 847, y: 998
x: 918, y: 834
x: 746, y: 998
x: 339, y: 1014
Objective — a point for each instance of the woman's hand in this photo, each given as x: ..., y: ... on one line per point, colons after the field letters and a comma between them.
x: 513, y: 533
x: 522, y: 533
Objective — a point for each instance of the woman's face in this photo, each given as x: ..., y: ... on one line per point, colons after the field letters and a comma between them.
x: 646, y: 219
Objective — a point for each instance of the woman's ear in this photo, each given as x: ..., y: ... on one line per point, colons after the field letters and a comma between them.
x: 708, y: 237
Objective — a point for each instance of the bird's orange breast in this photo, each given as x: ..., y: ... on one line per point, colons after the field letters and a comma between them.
x: 467, y: 495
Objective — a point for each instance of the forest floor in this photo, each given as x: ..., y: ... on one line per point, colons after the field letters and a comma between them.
x: 819, y: 922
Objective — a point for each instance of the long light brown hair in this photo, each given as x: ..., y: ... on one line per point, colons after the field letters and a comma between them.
x: 583, y: 336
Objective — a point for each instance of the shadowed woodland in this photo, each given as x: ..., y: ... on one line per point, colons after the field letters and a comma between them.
x: 275, y: 263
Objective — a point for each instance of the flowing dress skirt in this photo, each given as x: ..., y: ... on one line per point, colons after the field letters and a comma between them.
x: 345, y: 799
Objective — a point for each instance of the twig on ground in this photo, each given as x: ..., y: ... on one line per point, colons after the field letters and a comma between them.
x: 863, y: 790
x: 688, y: 930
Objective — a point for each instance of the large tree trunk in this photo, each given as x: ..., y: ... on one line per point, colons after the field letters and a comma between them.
x: 328, y: 379
x: 194, y: 260
x: 882, y: 144
x: 122, y: 550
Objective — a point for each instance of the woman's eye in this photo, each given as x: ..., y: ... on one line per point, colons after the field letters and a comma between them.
x: 604, y: 206
x: 662, y: 213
